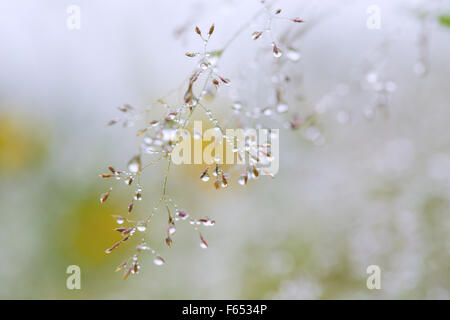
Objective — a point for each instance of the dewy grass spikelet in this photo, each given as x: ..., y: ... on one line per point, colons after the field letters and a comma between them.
x: 159, y: 138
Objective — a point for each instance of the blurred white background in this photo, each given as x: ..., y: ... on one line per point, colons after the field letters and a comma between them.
x: 377, y: 190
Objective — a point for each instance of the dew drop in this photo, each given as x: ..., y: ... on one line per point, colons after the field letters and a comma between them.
x: 242, y: 180
x: 158, y: 261
x: 293, y: 55
x: 255, y: 173
x: 150, y: 150
x: 282, y: 108
x: 148, y: 140
x: 205, y: 176
x: 134, y: 165
x: 120, y: 220
x: 203, y: 243
x: 224, y: 182
x: 182, y: 214
x: 208, y: 222
x: 171, y: 116
x: 237, y: 106
x: 142, y: 247
x: 267, y: 112
x: 104, y: 197
x: 141, y: 228
x: 138, y: 194
x: 276, y: 51
x: 256, y: 35
x: 171, y: 230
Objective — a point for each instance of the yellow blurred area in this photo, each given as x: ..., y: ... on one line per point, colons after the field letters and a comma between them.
x: 22, y: 145
x: 90, y: 227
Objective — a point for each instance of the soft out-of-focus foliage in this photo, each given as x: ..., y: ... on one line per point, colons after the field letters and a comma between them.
x: 444, y: 19
x: 23, y: 143
x: 376, y: 190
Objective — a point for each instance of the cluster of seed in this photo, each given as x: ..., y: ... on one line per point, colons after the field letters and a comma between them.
x: 160, y: 137
x: 278, y: 110
x: 131, y: 265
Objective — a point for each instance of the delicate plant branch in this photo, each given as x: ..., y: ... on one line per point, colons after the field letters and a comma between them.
x: 159, y: 138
